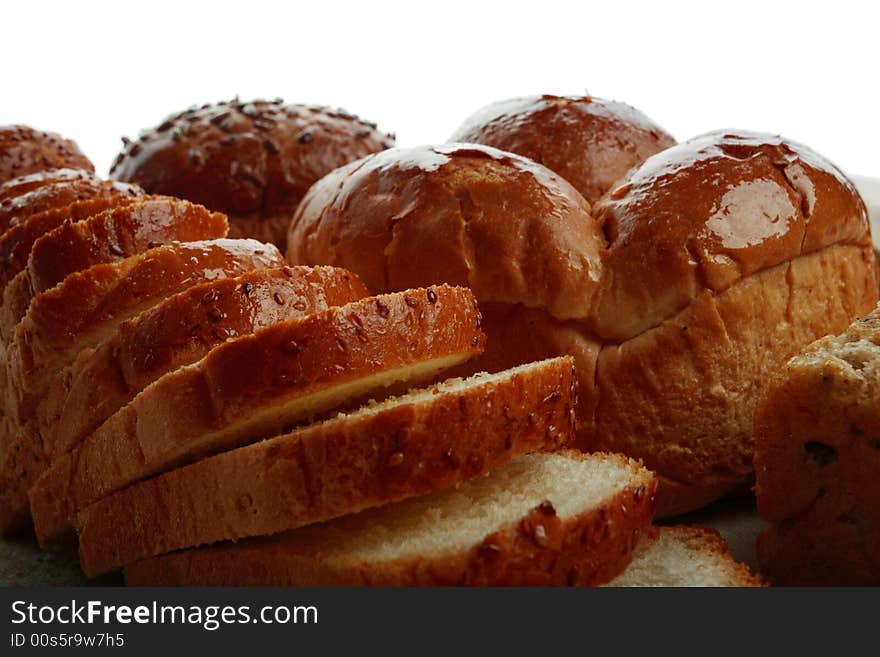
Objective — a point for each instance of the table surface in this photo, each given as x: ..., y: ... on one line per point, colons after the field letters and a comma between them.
x: 22, y: 563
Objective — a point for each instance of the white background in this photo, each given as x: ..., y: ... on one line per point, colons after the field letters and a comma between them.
x: 95, y: 71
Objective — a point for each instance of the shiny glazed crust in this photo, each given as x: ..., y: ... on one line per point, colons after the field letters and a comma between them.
x: 240, y: 391
x: 691, y: 280
x: 77, y: 313
x: 590, y: 142
x: 251, y: 160
x: 177, y: 332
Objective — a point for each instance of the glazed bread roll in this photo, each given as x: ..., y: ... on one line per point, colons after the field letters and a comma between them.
x: 678, y: 295
x: 25, y: 150
x: 590, y: 142
x: 251, y: 160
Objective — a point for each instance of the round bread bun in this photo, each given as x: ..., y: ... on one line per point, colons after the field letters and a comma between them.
x: 253, y: 161
x: 679, y: 295
x: 589, y: 141
x: 25, y: 150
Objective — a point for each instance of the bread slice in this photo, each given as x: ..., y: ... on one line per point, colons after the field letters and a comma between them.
x: 683, y: 556
x: 57, y: 194
x: 170, y: 335
x: 257, y: 385
x: 29, y: 182
x: 16, y: 243
x: 176, y: 332
x: 119, y: 233
x: 562, y: 518
x: 382, y: 453
x: 85, y: 310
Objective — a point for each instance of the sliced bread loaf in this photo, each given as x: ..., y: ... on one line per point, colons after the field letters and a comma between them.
x: 29, y: 182
x: 170, y: 335
x: 42, y: 260
x: 57, y: 194
x: 118, y: 233
x: 562, y: 518
x: 177, y: 332
x: 16, y: 243
x: 683, y: 556
x: 382, y: 453
x: 85, y: 309
x: 255, y: 386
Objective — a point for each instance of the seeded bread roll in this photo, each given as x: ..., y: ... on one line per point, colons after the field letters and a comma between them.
x: 590, y: 142
x: 25, y: 150
x: 254, y: 161
x: 678, y: 295
x: 817, y: 458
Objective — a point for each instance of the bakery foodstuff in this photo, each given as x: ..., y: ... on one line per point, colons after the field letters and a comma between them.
x: 251, y: 160
x: 176, y: 332
x: 130, y: 226
x: 25, y: 150
x: 683, y: 556
x: 591, y: 142
x: 817, y: 459
x: 685, y: 288
x: 19, y: 208
x: 544, y: 519
x: 118, y: 233
x: 16, y: 243
x: 29, y: 182
x: 257, y: 385
x: 381, y: 453
x: 85, y: 309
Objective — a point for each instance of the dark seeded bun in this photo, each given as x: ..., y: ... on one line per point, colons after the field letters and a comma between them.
x: 679, y: 294
x: 24, y: 150
x: 253, y: 161
x: 590, y: 142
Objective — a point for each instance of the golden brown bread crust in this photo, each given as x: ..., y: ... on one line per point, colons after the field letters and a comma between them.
x: 119, y: 233
x: 332, y: 469
x: 17, y: 242
x: 25, y: 150
x: 443, y: 213
x: 590, y: 142
x: 680, y: 251
x: 251, y: 160
x: 669, y: 395
x: 79, y: 312
x: 817, y: 460
x: 31, y: 181
x: 20, y: 464
x: 583, y: 550
x: 709, y: 212
x: 177, y: 332
x: 237, y: 393
x: 19, y: 208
